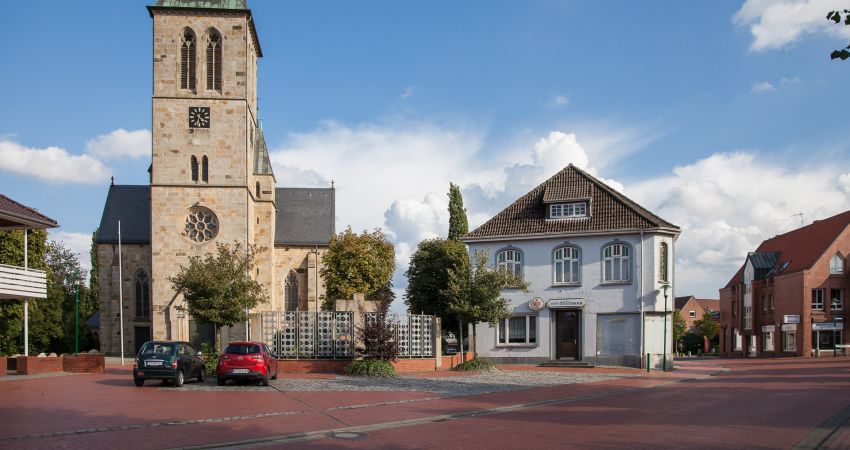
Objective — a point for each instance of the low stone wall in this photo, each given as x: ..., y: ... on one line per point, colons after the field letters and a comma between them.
x: 403, y: 365
x: 32, y: 365
x: 2, y: 366
x: 84, y: 363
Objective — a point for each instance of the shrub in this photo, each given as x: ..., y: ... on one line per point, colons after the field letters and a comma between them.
x: 476, y: 365
x: 377, y: 334
x: 210, y: 357
x: 370, y: 368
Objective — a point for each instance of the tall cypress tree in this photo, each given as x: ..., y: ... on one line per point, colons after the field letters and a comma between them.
x: 94, y: 287
x: 458, y: 225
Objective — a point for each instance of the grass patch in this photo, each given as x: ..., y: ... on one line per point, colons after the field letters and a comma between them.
x: 370, y: 368
x: 476, y: 365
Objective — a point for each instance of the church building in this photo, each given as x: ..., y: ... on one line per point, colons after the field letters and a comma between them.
x: 211, y: 182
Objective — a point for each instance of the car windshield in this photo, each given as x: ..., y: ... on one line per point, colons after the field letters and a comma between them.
x: 242, y: 349
x: 152, y: 348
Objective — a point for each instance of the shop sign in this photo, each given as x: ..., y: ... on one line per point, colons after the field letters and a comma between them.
x: 566, y: 303
x: 791, y: 318
x: 824, y: 326
x: 536, y: 304
x: 789, y: 327
x: 768, y: 328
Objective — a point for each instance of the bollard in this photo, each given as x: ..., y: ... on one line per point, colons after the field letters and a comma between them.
x: 647, y: 362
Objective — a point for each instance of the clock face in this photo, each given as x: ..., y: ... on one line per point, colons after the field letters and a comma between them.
x: 199, y: 117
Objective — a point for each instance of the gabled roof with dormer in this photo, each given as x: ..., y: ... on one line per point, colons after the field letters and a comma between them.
x: 608, y: 211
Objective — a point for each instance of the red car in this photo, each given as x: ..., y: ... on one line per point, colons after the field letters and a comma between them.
x: 246, y: 361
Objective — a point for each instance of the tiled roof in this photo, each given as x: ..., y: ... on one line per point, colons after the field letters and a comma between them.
x: 800, y: 248
x: 305, y: 216
x: 203, y: 4
x: 711, y: 304
x: 16, y: 215
x: 680, y: 302
x: 132, y: 206
x: 609, y: 210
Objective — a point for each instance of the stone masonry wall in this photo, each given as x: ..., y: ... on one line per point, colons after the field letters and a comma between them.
x: 134, y: 258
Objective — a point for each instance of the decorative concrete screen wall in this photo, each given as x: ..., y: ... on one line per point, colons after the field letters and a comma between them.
x: 413, y: 332
x: 311, y: 335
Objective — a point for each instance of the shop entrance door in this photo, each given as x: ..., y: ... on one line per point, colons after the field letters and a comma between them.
x: 566, y: 334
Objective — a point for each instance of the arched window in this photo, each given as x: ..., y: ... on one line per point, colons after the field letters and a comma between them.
x: 205, y: 169
x: 615, y: 263
x: 662, y: 263
x: 836, y: 264
x: 194, y: 163
x: 143, y: 294
x: 567, y: 262
x: 188, y: 60
x: 510, y: 260
x: 214, y: 60
x: 291, y: 292
x: 258, y: 189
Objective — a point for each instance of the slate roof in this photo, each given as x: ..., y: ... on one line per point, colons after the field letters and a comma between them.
x: 305, y: 216
x: 800, y: 248
x: 14, y: 215
x: 132, y: 206
x: 609, y: 210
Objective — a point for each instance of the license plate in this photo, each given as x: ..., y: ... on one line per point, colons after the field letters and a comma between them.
x: 153, y: 363
x: 239, y: 371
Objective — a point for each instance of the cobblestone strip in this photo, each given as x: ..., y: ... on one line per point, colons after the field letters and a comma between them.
x: 150, y: 425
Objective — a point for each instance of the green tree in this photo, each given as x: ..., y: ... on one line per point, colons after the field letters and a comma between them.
x: 354, y: 264
x: 428, y: 278
x: 679, y: 329
x: 217, y: 288
x: 835, y: 16
x: 475, y: 292
x: 94, y: 284
x: 458, y: 224
x: 706, y: 327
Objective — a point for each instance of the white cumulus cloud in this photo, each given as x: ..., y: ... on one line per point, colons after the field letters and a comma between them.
x: 559, y: 100
x: 774, y: 24
x: 762, y: 87
x: 52, y: 164
x: 121, y: 143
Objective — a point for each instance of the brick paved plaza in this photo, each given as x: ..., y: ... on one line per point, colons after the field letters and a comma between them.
x: 776, y: 403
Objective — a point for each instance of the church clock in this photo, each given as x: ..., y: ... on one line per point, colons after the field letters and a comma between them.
x: 199, y: 117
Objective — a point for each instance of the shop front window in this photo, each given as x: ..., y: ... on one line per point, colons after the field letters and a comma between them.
x: 517, y: 330
x: 767, y: 344
x: 789, y: 341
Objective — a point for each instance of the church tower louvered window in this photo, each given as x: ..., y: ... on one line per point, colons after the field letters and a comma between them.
x: 194, y: 164
x: 188, y: 60
x: 214, y: 60
x: 205, y: 169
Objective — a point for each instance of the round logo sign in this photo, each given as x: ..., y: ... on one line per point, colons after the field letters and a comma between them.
x: 536, y: 304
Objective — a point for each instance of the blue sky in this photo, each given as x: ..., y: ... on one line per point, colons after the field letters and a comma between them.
x: 723, y: 117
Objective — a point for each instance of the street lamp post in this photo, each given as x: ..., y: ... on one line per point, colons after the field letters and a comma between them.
x: 665, y: 287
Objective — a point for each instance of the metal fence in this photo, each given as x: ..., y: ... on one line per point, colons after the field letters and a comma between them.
x: 312, y: 335
x: 413, y: 332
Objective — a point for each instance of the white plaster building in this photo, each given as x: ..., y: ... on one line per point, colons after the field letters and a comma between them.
x: 595, y: 262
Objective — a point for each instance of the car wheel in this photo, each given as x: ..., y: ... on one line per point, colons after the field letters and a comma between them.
x: 139, y: 381
x: 221, y: 381
x: 266, y: 379
x: 201, y: 374
x: 274, y: 377
x: 178, y: 380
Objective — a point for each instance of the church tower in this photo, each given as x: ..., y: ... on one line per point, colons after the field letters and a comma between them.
x: 211, y: 179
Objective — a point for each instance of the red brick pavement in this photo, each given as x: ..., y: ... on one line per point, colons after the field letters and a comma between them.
x: 762, y: 403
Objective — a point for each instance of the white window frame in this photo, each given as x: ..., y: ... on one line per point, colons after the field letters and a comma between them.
x: 510, y: 259
x: 789, y: 341
x: 531, y: 338
x: 836, y: 264
x: 567, y: 210
x: 772, y: 300
x: 767, y: 341
x: 616, y: 256
x: 692, y: 314
x: 817, y: 299
x: 566, y: 263
x: 836, y: 305
x: 739, y: 341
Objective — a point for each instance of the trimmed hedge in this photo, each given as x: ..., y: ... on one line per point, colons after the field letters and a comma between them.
x: 370, y: 368
x: 476, y: 365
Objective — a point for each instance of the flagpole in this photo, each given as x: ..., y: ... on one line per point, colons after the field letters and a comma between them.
x: 121, y: 293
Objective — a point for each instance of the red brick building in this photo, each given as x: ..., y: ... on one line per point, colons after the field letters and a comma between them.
x: 789, y: 296
x: 692, y: 309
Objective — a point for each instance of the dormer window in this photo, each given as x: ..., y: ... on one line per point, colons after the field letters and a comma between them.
x: 567, y: 210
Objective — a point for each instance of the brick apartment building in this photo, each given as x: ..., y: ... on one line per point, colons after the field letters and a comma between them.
x: 692, y: 309
x: 788, y: 298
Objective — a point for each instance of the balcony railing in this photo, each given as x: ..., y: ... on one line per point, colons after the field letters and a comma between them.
x: 17, y: 282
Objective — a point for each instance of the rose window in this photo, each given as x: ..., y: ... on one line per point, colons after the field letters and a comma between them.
x: 201, y: 224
